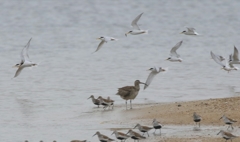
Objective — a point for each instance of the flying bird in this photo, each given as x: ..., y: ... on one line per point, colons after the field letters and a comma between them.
x: 136, y: 30
x: 154, y: 72
x: 104, y: 39
x: 174, y: 56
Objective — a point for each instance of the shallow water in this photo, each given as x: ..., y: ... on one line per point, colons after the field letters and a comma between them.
x: 50, y: 101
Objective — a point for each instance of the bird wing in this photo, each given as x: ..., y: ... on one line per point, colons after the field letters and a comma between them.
x: 235, y: 54
x: 216, y: 59
x: 27, y: 47
x: 125, y: 91
x: 174, y: 49
x: 231, y: 119
x: 134, y: 22
x: 150, y: 78
x: 100, y: 45
x: 18, y: 71
x: 190, y: 29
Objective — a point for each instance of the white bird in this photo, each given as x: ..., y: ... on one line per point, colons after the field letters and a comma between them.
x: 154, y: 71
x: 175, y: 57
x: 228, y: 121
x: 231, y: 65
x: 235, y: 58
x: 136, y: 30
x: 25, y: 61
x: 226, y: 67
x: 190, y: 31
x: 104, y: 39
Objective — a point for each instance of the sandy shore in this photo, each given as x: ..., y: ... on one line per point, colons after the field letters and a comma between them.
x: 180, y: 114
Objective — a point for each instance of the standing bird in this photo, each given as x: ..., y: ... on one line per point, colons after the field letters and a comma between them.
x: 135, y: 135
x: 103, y: 138
x: 228, y: 121
x: 105, y: 102
x: 129, y: 92
x: 226, y: 135
x: 156, y: 125
x: 121, y: 136
x: 137, y: 30
x: 110, y: 100
x: 190, y: 31
x: 225, y: 67
x: 25, y: 61
x: 95, y: 101
x: 154, y: 71
x: 197, y: 118
x: 143, y: 129
x: 103, y: 40
x: 235, y: 57
x: 175, y: 57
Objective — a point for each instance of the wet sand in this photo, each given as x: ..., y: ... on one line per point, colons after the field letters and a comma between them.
x: 178, y: 116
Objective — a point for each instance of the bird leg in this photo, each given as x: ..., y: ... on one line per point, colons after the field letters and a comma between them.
x: 232, y: 126
x: 148, y: 134
x: 130, y: 104
x: 126, y: 104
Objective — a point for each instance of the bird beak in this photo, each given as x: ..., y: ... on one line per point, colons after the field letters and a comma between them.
x: 218, y: 133
x: 89, y: 97
x: 99, y: 38
x: 113, y: 133
x: 163, y: 70
x: 143, y: 83
x: 167, y: 59
x: 135, y: 127
x: 181, y: 33
x: 127, y: 132
x: 94, y: 134
x: 220, y: 118
x: 126, y: 33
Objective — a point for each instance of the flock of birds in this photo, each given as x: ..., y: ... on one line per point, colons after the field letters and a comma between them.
x: 131, y: 92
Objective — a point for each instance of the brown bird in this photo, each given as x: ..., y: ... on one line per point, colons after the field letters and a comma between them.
x: 227, y: 136
x: 121, y: 136
x: 143, y: 129
x: 228, y: 121
x: 129, y: 92
x: 135, y: 135
x: 103, y: 138
x: 105, y: 102
x: 95, y: 101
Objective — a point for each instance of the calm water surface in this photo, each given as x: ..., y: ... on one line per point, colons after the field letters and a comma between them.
x: 49, y: 102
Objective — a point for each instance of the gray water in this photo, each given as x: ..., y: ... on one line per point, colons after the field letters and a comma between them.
x: 49, y: 102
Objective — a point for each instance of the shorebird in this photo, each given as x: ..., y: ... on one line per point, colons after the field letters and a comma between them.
x: 136, y: 30
x: 156, y: 125
x: 25, y: 61
x: 226, y: 135
x: 143, y: 129
x: 103, y: 138
x: 95, y: 101
x: 225, y: 67
x: 104, y: 39
x: 110, y: 100
x: 190, y: 31
x: 197, y: 118
x: 135, y: 135
x: 79, y: 141
x: 154, y: 71
x: 105, y: 102
x: 235, y: 58
x: 228, y: 121
x: 121, y: 136
x: 129, y: 92
x: 175, y: 57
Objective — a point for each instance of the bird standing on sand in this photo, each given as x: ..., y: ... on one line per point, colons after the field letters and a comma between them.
x: 95, y: 101
x: 135, y: 135
x: 197, y: 118
x: 156, y: 125
x: 129, y: 92
x: 121, y: 136
x: 105, y: 102
x: 143, y: 129
x: 103, y: 138
x: 226, y: 135
x: 228, y: 121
